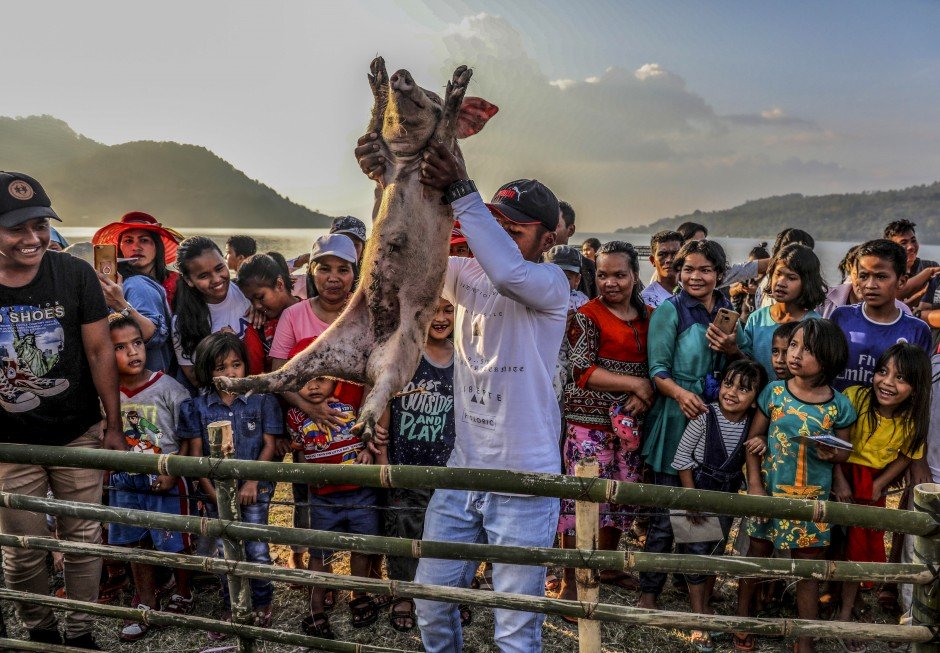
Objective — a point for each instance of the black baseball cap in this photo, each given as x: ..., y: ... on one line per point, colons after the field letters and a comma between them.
x: 22, y: 199
x: 526, y: 201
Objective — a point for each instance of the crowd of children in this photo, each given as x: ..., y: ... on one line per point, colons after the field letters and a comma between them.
x: 670, y: 382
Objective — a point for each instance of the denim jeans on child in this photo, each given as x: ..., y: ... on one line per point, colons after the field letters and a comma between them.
x: 262, y: 591
x: 461, y: 516
x: 658, y: 537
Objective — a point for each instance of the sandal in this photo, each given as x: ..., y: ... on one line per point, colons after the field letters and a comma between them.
x: 702, y: 641
x: 317, y: 625
x: 179, y: 605
x: 363, y: 612
x: 552, y: 584
x: 403, y: 620
x: 466, y: 615
x: 745, y: 642
x: 329, y: 600
x: 383, y: 601
x: 134, y: 631
x: 852, y: 645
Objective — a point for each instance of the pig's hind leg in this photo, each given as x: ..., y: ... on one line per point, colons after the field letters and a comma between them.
x: 341, y: 352
x: 391, y: 366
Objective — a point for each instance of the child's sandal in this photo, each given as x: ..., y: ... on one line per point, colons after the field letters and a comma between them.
x: 317, y: 625
x: 363, y: 611
x: 745, y: 642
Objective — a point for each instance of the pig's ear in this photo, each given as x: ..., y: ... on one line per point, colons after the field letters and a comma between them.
x: 474, y: 113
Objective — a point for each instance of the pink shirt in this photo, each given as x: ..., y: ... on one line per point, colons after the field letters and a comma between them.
x: 296, y: 323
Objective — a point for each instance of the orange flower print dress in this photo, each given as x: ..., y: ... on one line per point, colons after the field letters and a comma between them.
x: 790, y: 467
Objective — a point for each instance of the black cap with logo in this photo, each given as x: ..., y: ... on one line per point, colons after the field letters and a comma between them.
x: 350, y: 226
x: 22, y: 199
x: 526, y: 201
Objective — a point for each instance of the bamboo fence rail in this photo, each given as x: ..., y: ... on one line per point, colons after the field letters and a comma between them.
x: 7, y: 644
x: 155, y: 617
x: 636, y: 561
x: 485, y: 480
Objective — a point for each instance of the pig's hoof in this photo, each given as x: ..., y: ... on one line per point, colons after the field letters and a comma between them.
x: 364, y: 430
x: 462, y: 77
x: 379, y: 76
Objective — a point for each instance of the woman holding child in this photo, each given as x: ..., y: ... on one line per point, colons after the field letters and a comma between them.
x: 610, y: 392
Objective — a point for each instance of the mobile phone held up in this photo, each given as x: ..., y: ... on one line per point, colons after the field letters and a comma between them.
x: 106, y: 261
x: 726, y: 320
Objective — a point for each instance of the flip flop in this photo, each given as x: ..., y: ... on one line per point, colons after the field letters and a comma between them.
x: 745, y: 642
x: 622, y: 580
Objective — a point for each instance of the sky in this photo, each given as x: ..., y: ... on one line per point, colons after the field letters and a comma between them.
x: 631, y: 111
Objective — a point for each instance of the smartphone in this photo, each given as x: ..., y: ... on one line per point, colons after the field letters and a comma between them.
x: 726, y: 320
x: 106, y: 261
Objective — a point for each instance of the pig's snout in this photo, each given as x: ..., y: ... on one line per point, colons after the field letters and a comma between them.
x: 402, y: 81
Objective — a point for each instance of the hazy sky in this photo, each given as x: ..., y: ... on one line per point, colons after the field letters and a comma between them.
x: 630, y: 110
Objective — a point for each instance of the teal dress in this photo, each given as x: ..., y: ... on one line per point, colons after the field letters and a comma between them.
x: 677, y: 350
x: 760, y: 329
x: 792, y: 468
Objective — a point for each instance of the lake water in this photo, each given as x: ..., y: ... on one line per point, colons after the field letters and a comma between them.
x: 292, y: 242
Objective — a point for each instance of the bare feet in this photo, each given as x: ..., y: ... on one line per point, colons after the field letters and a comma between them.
x: 648, y: 601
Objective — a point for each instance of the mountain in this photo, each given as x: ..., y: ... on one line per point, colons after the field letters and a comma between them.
x: 850, y: 217
x: 182, y: 185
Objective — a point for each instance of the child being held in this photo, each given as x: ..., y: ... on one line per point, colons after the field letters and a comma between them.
x: 149, y: 406
x: 337, y: 508
x: 256, y: 423
x: 710, y: 457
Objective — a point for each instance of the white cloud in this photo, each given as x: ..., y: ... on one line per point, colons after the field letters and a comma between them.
x: 629, y: 145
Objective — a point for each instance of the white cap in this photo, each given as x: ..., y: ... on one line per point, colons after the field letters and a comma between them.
x: 338, y: 245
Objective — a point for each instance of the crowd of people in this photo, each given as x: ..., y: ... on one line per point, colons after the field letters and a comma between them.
x: 751, y: 376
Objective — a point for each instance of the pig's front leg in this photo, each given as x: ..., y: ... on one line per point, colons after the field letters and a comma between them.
x: 391, y: 365
x: 446, y: 131
x: 378, y: 80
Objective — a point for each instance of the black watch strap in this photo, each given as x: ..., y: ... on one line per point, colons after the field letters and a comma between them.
x: 458, y: 189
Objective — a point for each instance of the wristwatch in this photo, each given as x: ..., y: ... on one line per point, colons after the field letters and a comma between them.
x: 458, y: 189
x: 126, y: 311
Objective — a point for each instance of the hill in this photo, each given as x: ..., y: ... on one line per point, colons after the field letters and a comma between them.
x: 183, y: 185
x: 851, y: 216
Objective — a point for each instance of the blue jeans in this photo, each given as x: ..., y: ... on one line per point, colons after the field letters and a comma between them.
x: 262, y: 591
x: 461, y: 516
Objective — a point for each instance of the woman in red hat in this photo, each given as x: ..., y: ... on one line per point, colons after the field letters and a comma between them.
x: 140, y: 237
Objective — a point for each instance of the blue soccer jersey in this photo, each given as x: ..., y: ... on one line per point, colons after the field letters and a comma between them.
x: 868, y: 340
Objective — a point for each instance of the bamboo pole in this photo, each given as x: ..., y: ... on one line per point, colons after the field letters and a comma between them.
x: 499, y: 600
x: 221, y: 447
x: 486, y: 480
x: 636, y: 561
x: 925, y: 609
x: 588, y: 580
x: 7, y: 644
x: 159, y: 618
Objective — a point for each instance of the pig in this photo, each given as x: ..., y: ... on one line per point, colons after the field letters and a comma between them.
x: 378, y: 338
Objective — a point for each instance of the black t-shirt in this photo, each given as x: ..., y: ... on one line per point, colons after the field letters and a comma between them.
x: 47, y: 395
x: 421, y: 429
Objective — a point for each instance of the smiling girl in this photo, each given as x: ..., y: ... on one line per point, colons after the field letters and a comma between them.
x: 684, y: 348
x: 894, y: 416
x: 797, y: 288
x: 207, y: 302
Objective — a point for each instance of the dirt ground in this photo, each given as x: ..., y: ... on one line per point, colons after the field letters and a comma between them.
x: 558, y: 636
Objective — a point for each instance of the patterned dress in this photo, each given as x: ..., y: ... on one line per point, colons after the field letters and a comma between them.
x: 599, y: 339
x: 790, y: 467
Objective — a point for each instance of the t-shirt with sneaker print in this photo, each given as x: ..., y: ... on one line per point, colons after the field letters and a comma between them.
x: 47, y: 393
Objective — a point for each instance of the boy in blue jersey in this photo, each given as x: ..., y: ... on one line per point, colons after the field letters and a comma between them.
x: 877, y: 323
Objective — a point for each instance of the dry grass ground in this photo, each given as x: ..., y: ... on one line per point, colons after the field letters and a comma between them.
x: 558, y: 636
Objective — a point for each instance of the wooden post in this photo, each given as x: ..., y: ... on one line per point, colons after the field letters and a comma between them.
x: 239, y: 589
x: 925, y: 609
x: 588, y: 580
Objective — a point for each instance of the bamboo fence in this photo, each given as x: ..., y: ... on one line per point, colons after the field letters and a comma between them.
x: 483, y: 480
x: 584, y: 490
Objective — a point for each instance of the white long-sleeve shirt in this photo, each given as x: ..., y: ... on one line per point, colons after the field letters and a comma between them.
x: 510, y: 321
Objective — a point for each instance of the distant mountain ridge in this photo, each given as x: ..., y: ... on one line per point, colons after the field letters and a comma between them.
x: 184, y: 186
x: 850, y: 217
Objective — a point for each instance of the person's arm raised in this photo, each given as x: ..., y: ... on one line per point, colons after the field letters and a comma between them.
x: 541, y: 287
